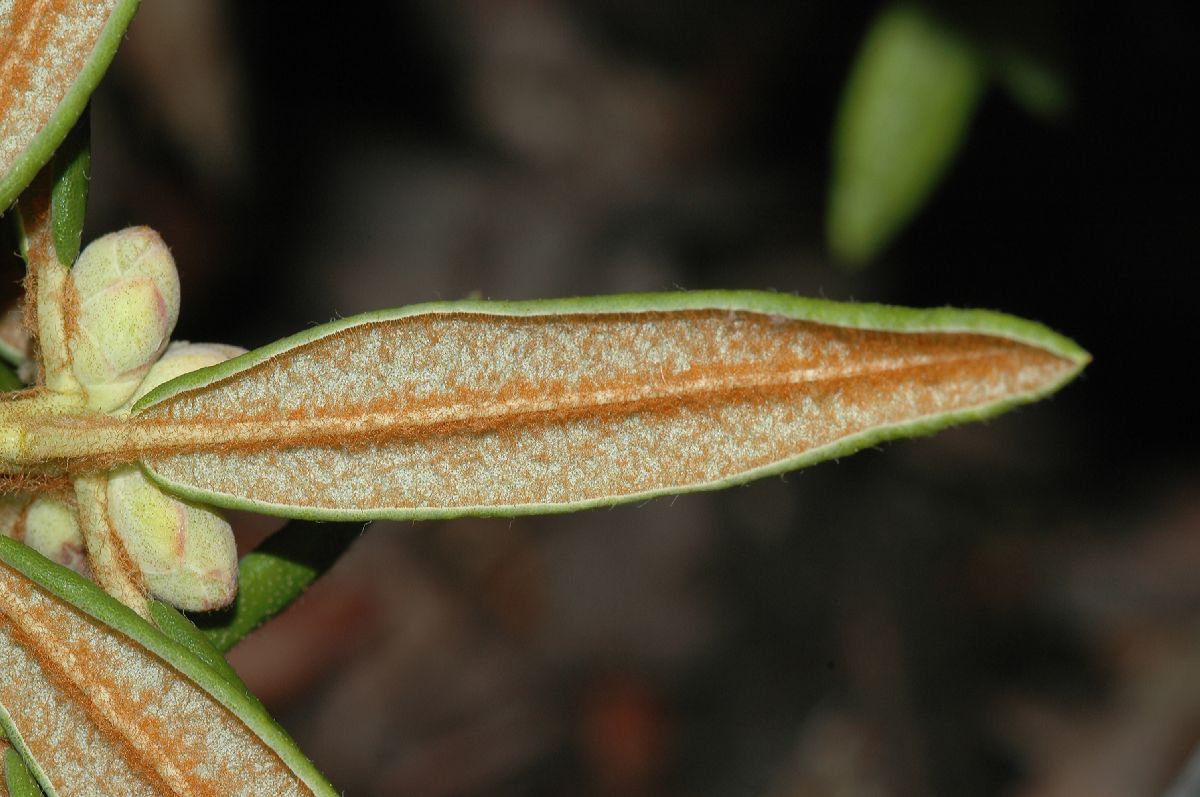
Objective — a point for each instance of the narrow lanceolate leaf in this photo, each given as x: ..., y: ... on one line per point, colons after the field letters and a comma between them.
x: 904, y: 114
x: 181, y: 630
x: 494, y: 409
x: 54, y: 54
x: 100, y: 702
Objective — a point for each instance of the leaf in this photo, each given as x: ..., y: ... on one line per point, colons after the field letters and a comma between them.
x: 1035, y: 83
x: 133, y: 712
x: 477, y: 408
x: 9, y: 380
x: 275, y: 574
x: 68, y: 200
x: 15, y: 780
x: 904, y: 115
x: 55, y: 55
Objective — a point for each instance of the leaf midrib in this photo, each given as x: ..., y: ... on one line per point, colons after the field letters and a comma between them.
x: 81, y: 443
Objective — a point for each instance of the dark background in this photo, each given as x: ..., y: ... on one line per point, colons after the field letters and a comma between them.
x: 1004, y: 609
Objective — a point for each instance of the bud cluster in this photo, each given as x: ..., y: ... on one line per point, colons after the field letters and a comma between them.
x: 118, y: 306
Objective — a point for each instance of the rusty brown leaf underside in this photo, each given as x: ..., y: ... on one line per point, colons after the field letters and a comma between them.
x: 102, y: 715
x: 46, y: 44
x: 461, y: 410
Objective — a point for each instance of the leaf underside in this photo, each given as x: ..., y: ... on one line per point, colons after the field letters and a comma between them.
x: 100, y: 703
x: 55, y: 52
x: 465, y: 411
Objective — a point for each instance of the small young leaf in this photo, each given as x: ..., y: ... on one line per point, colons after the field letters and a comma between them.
x: 133, y: 712
x: 275, y: 574
x: 477, y: 408
x: 72, y: 171
x: 904, y: 114
x: 54, y: 56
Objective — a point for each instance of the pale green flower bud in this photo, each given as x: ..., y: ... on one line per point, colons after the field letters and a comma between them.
x: 52, y: 530
x: 186, y: 552
x: 180, y: 358
x: 128, y: 294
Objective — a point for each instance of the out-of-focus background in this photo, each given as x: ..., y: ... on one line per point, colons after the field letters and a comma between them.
x: 1004, y: 609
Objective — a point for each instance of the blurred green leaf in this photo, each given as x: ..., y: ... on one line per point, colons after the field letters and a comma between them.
x: 10, y: 357
x: 275, y: 574
x: 1034, y: 84
x: 905, y: 111
x: 9, y: 380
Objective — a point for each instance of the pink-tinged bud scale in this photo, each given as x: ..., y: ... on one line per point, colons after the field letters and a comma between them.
x: 126, y: 305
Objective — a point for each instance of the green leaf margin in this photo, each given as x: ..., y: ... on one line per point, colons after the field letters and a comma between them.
x: 178, y: 627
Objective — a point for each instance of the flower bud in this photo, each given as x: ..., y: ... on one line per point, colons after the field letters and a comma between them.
x: 186, y: 552
x: 14, y: 336
x: 128, y: 301
x: 180, y: 358
x: 52, y: 530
